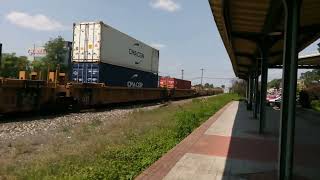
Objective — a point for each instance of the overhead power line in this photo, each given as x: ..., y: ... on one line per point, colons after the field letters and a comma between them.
x: 212, y: 78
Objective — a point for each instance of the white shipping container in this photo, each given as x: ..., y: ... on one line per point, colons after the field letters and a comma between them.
x: 95, y: 42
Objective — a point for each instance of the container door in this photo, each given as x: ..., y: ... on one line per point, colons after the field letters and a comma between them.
x: 83, y: 42
x: 76, y: 43
x: 85, y: 73
x: 96, y: 42
x: 92, y: 73
x: 90, y: 42
x: 155, y: 61
x: 78, y: 72
x: 87, y: 37
x: 93, y: 44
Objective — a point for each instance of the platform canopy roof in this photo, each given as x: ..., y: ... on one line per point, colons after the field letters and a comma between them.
x: 246, y: 26
x: 313, y: 59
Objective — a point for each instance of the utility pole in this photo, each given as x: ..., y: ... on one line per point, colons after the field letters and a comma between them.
x: 34, y: 52
x: 201, y: 75
x: 0, y: 55
x: 182, y: 73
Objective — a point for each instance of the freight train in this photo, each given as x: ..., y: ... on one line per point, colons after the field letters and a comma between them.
x: 34, y: 95
x: 108, y: 67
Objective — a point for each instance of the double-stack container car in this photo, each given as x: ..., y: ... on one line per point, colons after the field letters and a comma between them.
x: 102, y: 54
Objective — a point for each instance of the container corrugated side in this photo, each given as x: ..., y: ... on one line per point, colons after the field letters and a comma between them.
x: 182, y: 84
x: 167, y: 82
x: 120, y: 49
x: 113, y: 75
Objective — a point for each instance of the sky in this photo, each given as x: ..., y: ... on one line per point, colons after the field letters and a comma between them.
x: 183, y: 30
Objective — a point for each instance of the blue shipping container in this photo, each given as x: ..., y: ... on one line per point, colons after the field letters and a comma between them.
x: 113, y: 75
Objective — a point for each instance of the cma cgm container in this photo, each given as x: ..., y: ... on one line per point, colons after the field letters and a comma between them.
x: 113, y: 75
x: 173, y: 83
x: 96, y: 42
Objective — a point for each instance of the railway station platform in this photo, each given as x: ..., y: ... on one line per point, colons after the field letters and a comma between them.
x: 229, y: 147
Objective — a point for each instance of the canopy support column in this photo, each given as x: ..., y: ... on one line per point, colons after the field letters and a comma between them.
x: 247, y: 90
x: 256, y: 95
x: 289, y: 81
x: 249, y: 106
x: 263, y: 92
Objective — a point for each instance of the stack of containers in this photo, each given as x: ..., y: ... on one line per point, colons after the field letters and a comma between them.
x: 102, y: 54
x: 174, y: 83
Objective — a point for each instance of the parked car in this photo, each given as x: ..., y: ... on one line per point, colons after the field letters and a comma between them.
x: 275, y: 101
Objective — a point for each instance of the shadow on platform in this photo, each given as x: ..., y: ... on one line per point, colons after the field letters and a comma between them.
x: 253, y: 156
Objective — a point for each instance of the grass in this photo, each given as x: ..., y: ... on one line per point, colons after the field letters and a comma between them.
x: 315, y: 104
x: 121, y: 150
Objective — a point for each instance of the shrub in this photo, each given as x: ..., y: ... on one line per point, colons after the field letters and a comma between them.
x: 308, y: 95
x: 315, y: 104
x: 186, y: 122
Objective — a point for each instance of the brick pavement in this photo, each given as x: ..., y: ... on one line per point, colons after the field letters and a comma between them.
x: 227, y: 147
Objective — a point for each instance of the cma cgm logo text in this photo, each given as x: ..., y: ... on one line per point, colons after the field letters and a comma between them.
x: 134, y: 84
x: 136, y: 53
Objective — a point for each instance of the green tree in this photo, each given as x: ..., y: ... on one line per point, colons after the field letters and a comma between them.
x: 39, y: 65
x: 239, y: 87
x: 310, y: 77
x: 56, y: 53
x: 12, y: 64
x: 207, y: 85
x: 275, y: 83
